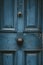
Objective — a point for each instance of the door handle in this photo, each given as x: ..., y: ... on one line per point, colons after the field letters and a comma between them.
x: 19, y: 14
x: 20, y: 41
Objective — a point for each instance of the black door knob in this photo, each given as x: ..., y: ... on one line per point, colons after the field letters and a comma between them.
x: 20, y: 41
x: 19, y: 14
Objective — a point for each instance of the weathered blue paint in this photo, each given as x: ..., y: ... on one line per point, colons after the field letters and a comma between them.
x: 28, y: 26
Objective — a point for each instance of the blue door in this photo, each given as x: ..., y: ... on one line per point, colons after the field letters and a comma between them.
x: 21, y: 32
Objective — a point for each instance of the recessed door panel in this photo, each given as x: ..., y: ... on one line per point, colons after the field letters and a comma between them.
x: 8, y: 15
x: 32, y: 15
x: 32, y: 41
x: 30, y: 12
x: 32, y: 58
x: 8, y: 41
x: 7, y: 59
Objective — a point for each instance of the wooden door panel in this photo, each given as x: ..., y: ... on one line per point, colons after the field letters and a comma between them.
x: 8, y: 15
x: 32, y: 41
x: 8, y: 41
x: 32, y: 58
x: 7, y: 58
x: 32, y: 15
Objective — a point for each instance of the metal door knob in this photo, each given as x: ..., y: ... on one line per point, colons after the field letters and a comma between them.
x: 19, y: 14
x: 20, y: 41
